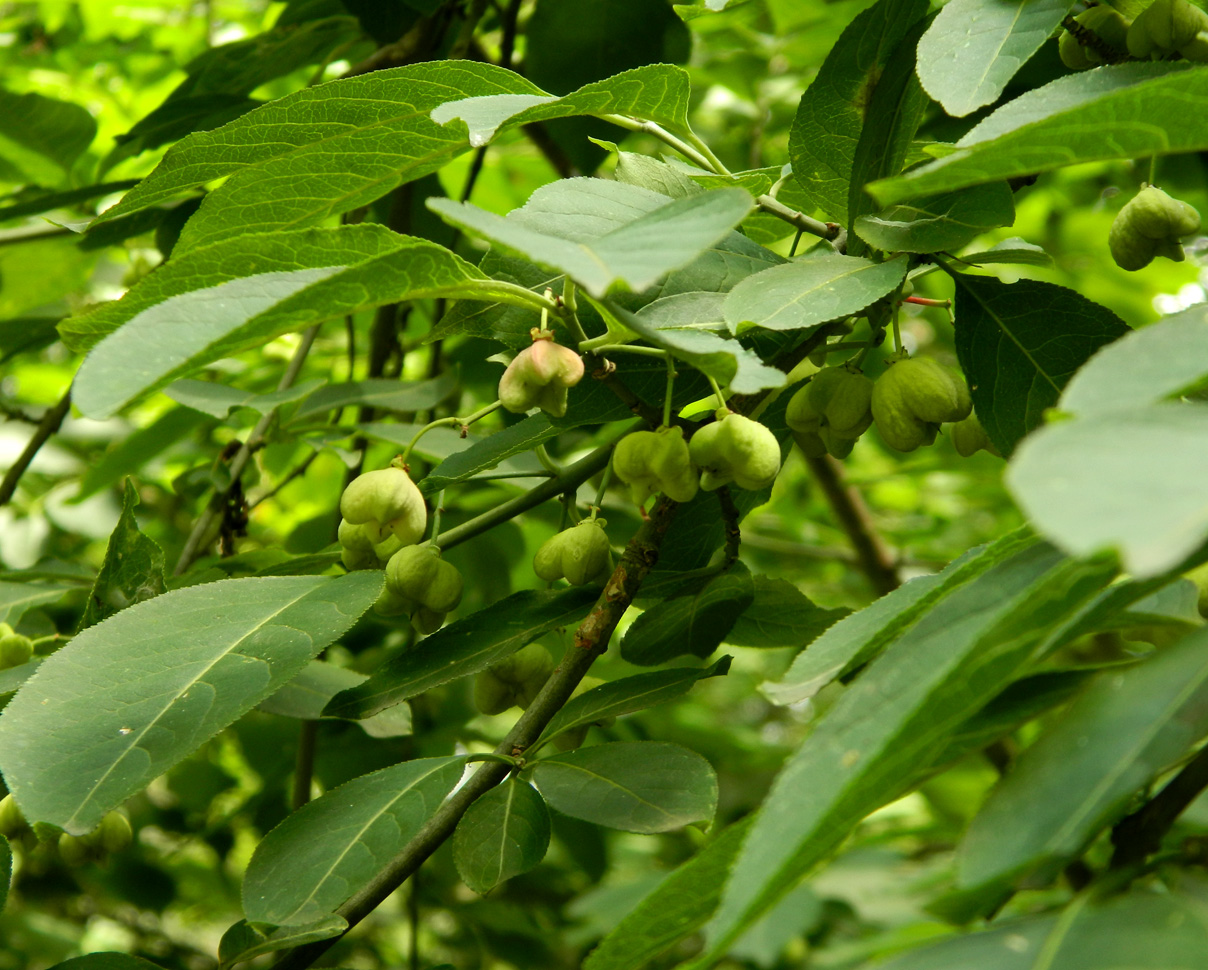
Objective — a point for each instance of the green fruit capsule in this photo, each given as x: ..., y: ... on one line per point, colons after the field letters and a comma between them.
x: 1149, y: 225
x: 12, y: 822
x: 114, y: 833
x: 539, y: 377
x: 810, y: 443
x: 581, y: 554
x: 735, y: 449
x: 843, y: 397
x: 356, y: 550
x: 15, y: 649
x: 656, y: 461
x: 900, y: 428
x: 933, y: 393
x: 492, y: 695
x: 969, y: 437
x: 418, y: 578
x: 1165, y: 27
x: 385, y: 501
x: 75, y: 851
x: 428, y: 621
x: 1107, y: 24
x: 801, y: 416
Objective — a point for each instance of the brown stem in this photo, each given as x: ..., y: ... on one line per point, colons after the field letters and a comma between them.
x: 50, y: 423
x: 590, y: 640
x: 730, y: 516
x: 872, y: 554
x: 1141, y: 833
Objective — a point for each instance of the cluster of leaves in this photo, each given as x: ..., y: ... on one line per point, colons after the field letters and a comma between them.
x: 298, y: 206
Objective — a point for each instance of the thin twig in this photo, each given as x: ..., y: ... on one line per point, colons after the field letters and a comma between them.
x: 296, y: 473
x: 201, y: 536
x: 1141, y: 833
x: 304, y: 764
x: 50, y: 423
x: 872, y: 554
x: 800, y: 221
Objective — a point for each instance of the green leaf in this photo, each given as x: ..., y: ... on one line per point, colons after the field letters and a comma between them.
x: 133, y: 568
x: 1080, y: 775
x: 1010, y: 251
x: 205, y: 306
x: 128, y: 698
x: 635, y: 786
x: 337, y: 146
x: 674, y: 909
x: 504, y: 833
x: 382, y: 394
x: 694, y: 624
x: 780, y: 616
x: 856, y: 639
x: 489, y: 452
x: 465, y: 647
x: 41, y: 137
x: 963, y: 652
x: 1019, y: 344
x: 307, y: 694
x: 105, y: 961
x: 218, y: 400
x: 655, y: 92
x: 1118, y: 111
x: 1141, y: 930
x: 6, y: 870
x: 627, y: 695
x: 830, y: 115
x: 16, y: 598
x: 241, y: 942
x: 1143, y: 367
x: 725, y: 360
x: 974, y: 47
x: 892, y: 118
x: 943, y: 222
x: 330, y: 847
x: 809, y: 292
x: 1130, y: 481
x: 634, y: 255
x: 37, y: 203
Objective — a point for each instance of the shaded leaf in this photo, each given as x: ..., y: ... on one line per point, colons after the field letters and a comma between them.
x: 330, y: 847
x: 808, y: 292
x: 307, y: 694
x: 489, y: 452
x: 974, y: 47
x: 635, y: 786
x: 1019, y: 344
x: 111, y: 720
x: 241, y: 942
x: 1118, y: 111
x: 943, y: 222
x: 381, y: 393
x: 133, y: 568
x: 830, y: 115
x: 966, y: 649
x: 16, y: 598
x: 504, y: 833
x: 627, y: 695
x: 465, y: 647
x: 219, y: 400
x: 780, y: 615
x: 41, y: 137
x: 133, y: 451
x: 105, y: 961
x: 692, y: 624
x: 674, y: 909
x: 1080, y: 775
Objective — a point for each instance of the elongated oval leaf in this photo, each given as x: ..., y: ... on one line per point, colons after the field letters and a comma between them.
x: 866, y: 748
x: 635, y: 254
x: 830, y: 115
x: 41, y: 137
x: 465, y: 647
x: 16, y: 598
x: 636, y: 786
x: 105, y: 961
x: 809, y: 292
x: 944, y: 222
x: 128, y: 698
x: 695, y: 623
x: 1019, y: 344
x: 205, y: 306
x: 1080, y: 775
x: 241, y: 942
x: 780, y: 615
x: 629, y: 694
x: 322, y: 853
x: 1121, y: 111
x: 504, y: 833
x: 974, y: 47
x: 1130, y: 481
x: 1142, y: 367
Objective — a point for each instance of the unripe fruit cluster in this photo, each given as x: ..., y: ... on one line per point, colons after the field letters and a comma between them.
x: 913, y: 397
x: 1168, y: 27
x: 580, y: 554
x: 111, y: 836
x: 831, y: 412
x: 15, y: 648
x: 379, y: 506
x: 1150, y: 225
x: 422, y: 585
x: 656, y: 461
x: 540, y: 376
x: 1106, y: 24
x: 514, y: 681
x: 735, y: 449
